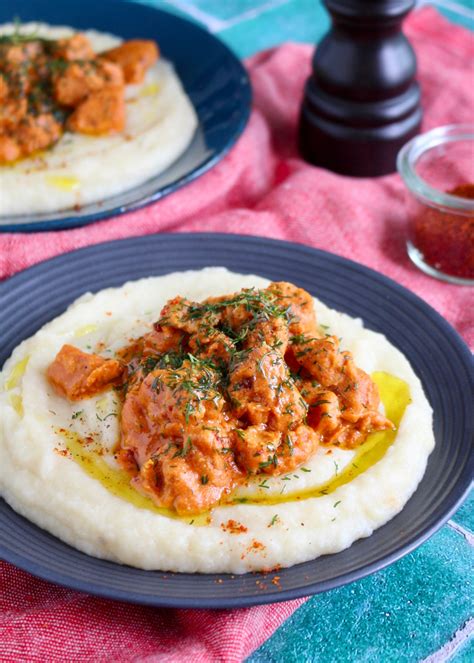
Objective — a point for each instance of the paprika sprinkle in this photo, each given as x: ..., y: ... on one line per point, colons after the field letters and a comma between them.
x: 438, y: 170
x: 446, y: 237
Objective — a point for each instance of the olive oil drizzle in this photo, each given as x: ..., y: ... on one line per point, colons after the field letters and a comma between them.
x: 394, y: 394
x: 16, y: 402
x: 16, y: 373
x: 13, y: 381
x: 116, y: 480
x: 63, y: 182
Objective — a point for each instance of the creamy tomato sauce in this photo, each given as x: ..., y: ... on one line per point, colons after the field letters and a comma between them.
x: 237, y: 385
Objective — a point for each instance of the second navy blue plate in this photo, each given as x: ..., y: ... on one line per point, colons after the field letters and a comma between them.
x: 213, y: 77
x: 438, y: 355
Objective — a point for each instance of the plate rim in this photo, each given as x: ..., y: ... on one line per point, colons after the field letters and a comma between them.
x: 454, y: 497
x: 70, y: 222
x: 240, y: 602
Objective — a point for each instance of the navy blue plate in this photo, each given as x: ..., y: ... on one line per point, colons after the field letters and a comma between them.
x: 437, y: 354
x: 212, y: 76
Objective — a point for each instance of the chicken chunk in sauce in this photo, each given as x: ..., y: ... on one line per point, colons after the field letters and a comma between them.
x: 230, y: 387
x: 76, y: 374
x: 50, y: 86
x: 134, y: 58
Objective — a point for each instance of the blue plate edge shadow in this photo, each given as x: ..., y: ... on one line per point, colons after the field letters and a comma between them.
x: 456, y: 496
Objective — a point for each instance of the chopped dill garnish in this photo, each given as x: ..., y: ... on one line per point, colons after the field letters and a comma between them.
x: 110, y: 414
x: 186, y: 448
x: 155, y: 383
x: 17, y: 37
x: 188, y: 410
x: 257, y: 302
x: 271, y: 460
x: 320, y: 402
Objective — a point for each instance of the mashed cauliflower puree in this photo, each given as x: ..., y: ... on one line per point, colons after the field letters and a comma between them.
x: 336, y: 499
x: 80, y: 169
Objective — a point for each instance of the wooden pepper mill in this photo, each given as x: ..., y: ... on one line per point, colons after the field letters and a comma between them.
x: 361, y: 103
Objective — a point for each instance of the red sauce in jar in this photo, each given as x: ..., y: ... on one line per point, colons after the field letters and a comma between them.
x: 446, y: 238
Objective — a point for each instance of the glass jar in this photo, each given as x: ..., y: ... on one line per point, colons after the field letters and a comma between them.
x: 438, y: 170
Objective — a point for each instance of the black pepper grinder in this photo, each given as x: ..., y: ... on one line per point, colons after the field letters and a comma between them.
x: 361, y: 103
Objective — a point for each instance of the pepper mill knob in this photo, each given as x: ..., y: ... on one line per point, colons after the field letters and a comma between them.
x: 361, y: 103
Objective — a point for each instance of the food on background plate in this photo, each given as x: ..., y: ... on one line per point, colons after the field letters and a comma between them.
x: 221, y: 422
x: 84, y: 116
x: 49, y: 85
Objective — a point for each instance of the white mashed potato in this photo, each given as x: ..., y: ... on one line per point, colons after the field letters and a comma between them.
x: 80, y: 169
x: 54, y: 491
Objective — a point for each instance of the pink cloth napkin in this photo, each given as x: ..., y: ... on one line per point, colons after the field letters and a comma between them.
x: 260, y: 188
